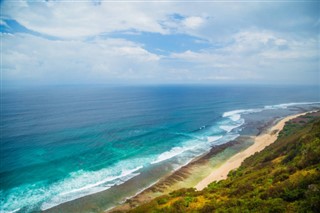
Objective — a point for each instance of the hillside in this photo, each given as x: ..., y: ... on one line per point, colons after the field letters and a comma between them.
x: 284, y: 177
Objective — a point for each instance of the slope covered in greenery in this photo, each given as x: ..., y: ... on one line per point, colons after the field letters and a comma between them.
x: 284, y: 177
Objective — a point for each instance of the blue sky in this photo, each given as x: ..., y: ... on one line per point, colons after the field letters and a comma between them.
x: 209, y: 42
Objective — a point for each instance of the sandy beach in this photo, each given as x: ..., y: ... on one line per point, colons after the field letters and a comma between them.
x: 260, y: 142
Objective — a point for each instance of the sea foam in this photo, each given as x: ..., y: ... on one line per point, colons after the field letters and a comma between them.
x: 235, y: 115
x: 170, y: 154
x: 76, y: 185
x: 196, y: 146
x: 89, y: 188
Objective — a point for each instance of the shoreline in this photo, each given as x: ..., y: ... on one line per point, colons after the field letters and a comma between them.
x: 266, y: 136
x: 262, y: 181
x: 188, y: 176
x: 261, y: 141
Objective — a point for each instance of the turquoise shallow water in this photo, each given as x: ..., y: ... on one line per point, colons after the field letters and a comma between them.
x: 62, y: 143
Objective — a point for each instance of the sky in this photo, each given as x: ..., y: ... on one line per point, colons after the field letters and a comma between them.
x: 159, y: 42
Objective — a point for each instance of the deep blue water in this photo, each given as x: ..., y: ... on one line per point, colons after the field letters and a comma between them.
x: 61, y: 143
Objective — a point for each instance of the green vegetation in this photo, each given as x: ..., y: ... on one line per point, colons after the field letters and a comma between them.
x: 285, y: 177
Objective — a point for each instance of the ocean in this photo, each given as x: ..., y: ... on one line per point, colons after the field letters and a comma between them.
x: 61, y: 143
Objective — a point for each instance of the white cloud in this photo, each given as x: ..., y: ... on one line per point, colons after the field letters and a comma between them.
x: 193, y: 22
x: 245, y: 42
x: 28, y: 57
x: 136, y: 53
x: 264, y: 44
x: 251, y: 56
x: 67, y: 19
x: 83, y: 18
x: 256, y: 55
